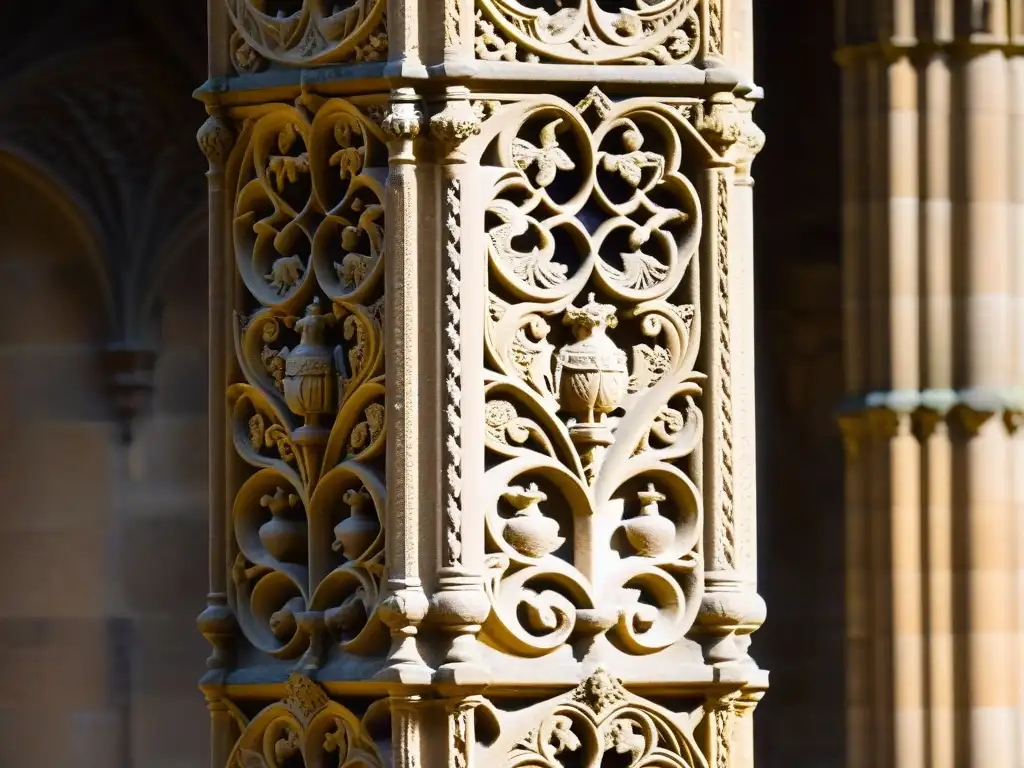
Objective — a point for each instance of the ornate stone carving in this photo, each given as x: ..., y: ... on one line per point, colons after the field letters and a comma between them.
x: 600, y: 717
x: 590, y: 31
x: 216, y: 140
x: 453, y: 371
x: 309, y: 416
x: 304, y: 32
x: 305, y: 728
x: 592, y: 520
x: 723, y: 377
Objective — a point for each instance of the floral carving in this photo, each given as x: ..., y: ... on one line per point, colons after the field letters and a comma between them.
x: 589, y: 31
x: 591, y: 345
x: 309, y: 414
x: 306, y: 728
x: 601, y: 716
x: 303, y: 32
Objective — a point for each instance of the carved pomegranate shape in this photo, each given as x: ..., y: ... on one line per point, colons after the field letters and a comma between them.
x: 531, y: 533
x: 283, y: 538
x: 355, y: 533
x: 649, y: 533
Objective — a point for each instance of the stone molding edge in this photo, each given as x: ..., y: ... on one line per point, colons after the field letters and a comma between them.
x: 376, y: 77
x: 892, y: 50
x: 879, y: 413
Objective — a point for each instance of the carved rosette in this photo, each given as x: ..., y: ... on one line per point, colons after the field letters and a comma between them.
x: 657, y: 32
x: 592, y: 334
x: 304, y: 729
x: 308, y: 229
x: 307, y: 32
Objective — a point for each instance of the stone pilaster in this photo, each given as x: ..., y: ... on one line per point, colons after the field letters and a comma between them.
x: 493, y: 325
x: 933, y: 370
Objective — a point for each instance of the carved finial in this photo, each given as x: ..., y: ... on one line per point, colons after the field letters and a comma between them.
x: 458, y: 120
x: 404, y: 119
x: 216, y: 140
x: 600, y: 692
x: 591, y: 315
x: 730, y: 130
x: 304, y: 698
x: 597, y: 100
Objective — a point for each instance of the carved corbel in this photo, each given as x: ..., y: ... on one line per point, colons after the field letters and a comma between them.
x: 129, y: 376
x: 727, y: 124
x: 970, y: 419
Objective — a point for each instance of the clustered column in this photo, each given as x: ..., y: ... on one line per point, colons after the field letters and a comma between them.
x: 482, y: 441
x: 932, y: 96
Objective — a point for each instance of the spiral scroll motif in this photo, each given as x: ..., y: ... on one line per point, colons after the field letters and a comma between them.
x: 592, y: 336
x: 309, y: 417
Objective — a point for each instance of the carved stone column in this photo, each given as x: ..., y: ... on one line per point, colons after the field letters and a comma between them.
x: 482, y: 322
x: 933, y: 278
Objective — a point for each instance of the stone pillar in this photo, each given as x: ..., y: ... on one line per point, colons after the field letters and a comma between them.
x: 933, y: 326
x: 482, y: 352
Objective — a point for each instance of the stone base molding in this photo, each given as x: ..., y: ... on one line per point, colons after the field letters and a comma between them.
x: 482, y: 322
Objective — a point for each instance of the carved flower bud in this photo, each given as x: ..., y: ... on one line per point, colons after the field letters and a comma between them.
x: 216, y: 140
x: 404, y: 119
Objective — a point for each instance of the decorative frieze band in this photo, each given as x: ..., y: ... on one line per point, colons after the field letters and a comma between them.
x: 879, y: 414
x: 303, y: 33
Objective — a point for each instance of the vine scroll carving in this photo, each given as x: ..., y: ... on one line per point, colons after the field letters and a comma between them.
x: 592, y: 336
x: 309, y: 416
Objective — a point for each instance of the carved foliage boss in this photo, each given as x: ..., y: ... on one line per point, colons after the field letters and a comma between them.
x: 308, y: 231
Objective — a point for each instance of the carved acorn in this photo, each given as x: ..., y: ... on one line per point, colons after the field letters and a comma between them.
x: 592, y: 373
x: 649, y: 533
x: 530, y: 533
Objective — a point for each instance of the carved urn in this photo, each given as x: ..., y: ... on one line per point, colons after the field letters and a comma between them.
x: 592, y: 373
x: 282, y: 537
x: 530, y: 533
x: 309, y: 377
x: 354, y: 534
x: 649, y: 533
